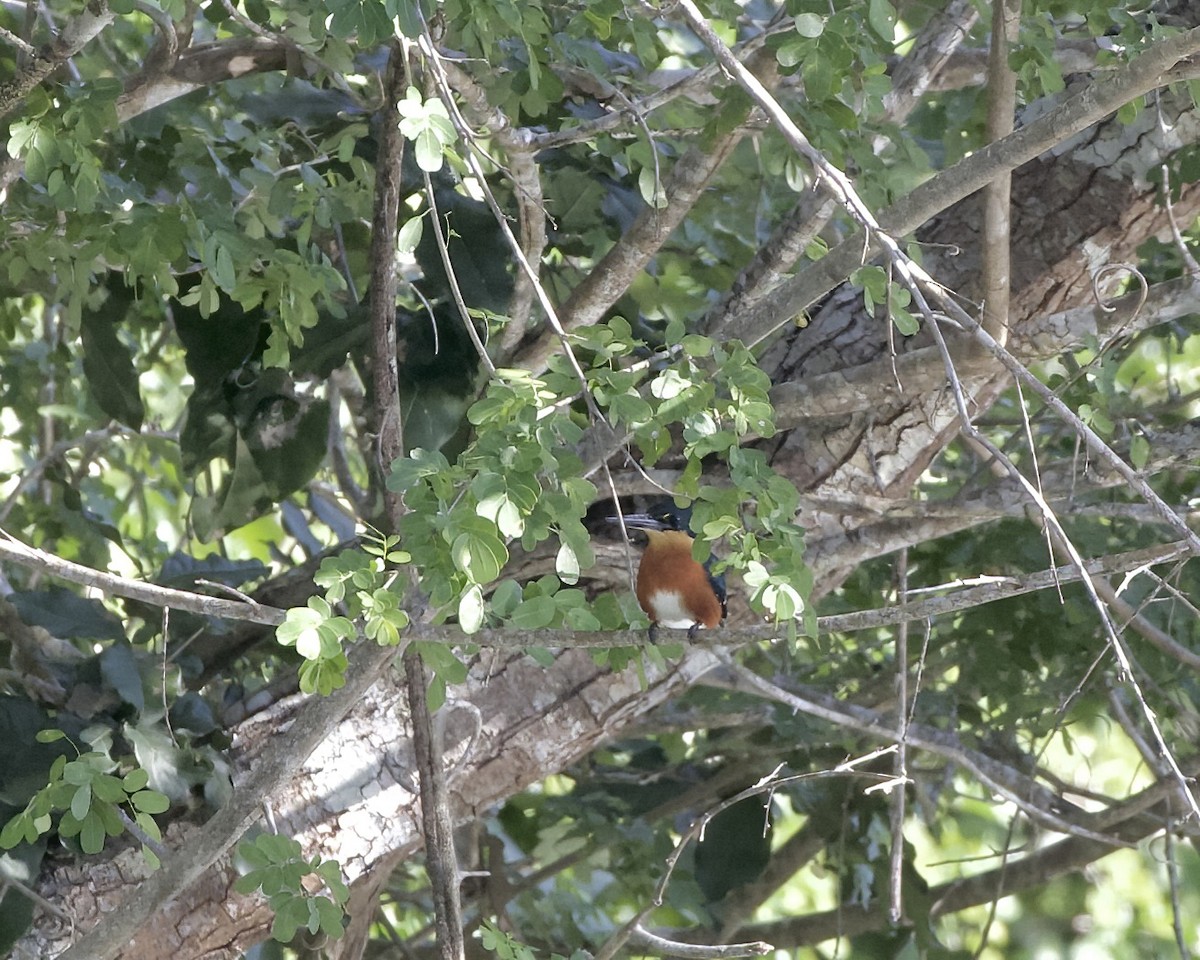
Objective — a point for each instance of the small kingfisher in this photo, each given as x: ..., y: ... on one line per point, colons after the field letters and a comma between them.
x: 673, y: 589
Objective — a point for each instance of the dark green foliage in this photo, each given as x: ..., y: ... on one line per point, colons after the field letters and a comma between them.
x: 65, y: 614
x: 108, y: 366
x: 735, y: 849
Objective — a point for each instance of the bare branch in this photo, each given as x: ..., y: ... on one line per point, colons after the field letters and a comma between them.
x: 695, y: 951
x: 900, y: 761
x: 1054, y: 527
x: 931, y: 51
x: 1094, y: 442
x: 464, y: 314
x: 521, y: 169
x: 997, y: 195
x: 200, y: 66
x: 694, y: 84
x: 389, y: 430
x: 870, y: 386
x: 17, y: 552
x: 938, y: 39
x: 1038, y: 802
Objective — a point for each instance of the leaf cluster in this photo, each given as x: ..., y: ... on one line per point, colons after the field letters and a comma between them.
x: 89, y: 798
x: 278, y: 868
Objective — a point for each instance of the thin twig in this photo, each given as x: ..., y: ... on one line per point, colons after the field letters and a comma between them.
x: 1173, y: 880
x: 1028, y: 795
x: 900, y: 761
x: 439, y: 236
x: 1185, y: 252
x: 384, y: 371
x: 151, y: 593
x: 27, y: 49
x: 697, y: 951
x: 1094, y: 442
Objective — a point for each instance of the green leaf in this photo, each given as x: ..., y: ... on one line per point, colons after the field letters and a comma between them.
x: 479, y: 554
x: 428, y: 151
x: 119, y: 668
x: 506, y: 514
x: 566, y: 564
x: 443, y: 662
x: 150, y: 801
x: 149, y: 827
x: 290, y: 916
x: 323, y: 676
x: 92, y: 833
x: 36, y: 166
x: 300, y: 628
x: 409, y: 471
x: 67, y: 615
x: 331, y: 917
x: 16, y: 830
x: 109, y: 789
x: 810, y: 25
x: 81, y: 803
x: 881, y: 15
x: 78, y: 772
x: 407, y: 15
x: 534, y: 614
x: 410, y: 234
x: 471, y: 609
x: 505, y: 597
x: 905, y: 322
x: 1139, y: 451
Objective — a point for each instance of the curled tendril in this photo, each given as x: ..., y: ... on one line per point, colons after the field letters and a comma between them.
x: 1111, y: 269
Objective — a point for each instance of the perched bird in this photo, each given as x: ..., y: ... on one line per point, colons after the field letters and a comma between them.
x: 673, y: 589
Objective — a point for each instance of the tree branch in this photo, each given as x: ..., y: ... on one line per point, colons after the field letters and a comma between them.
x: 1033, y: 870
x: 608, y: 280
x: 389, y: 442
x: 936, y: 42
x: 1091, y: 105
x: 512, y: 639
x: 12, y: 549
x: 74, y: 37
x: 933, y: 48
x: 522, y: 171
x: 1038, y: 802
x: 870, y: 386
x: 997, y: 195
